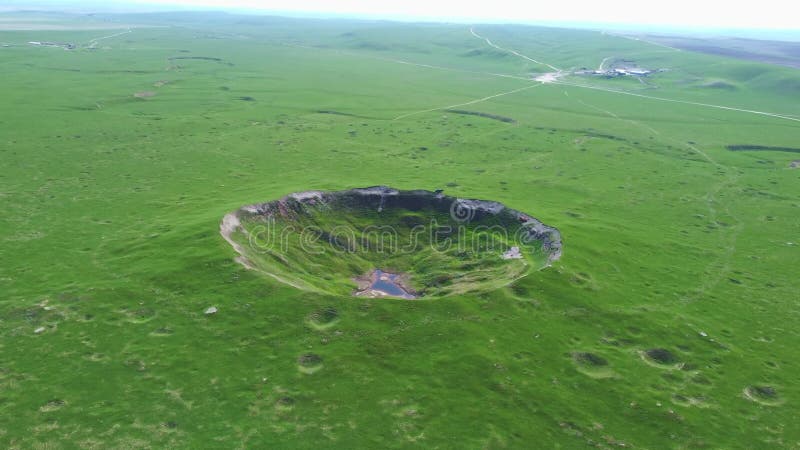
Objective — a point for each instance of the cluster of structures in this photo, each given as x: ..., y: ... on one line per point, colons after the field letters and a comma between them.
x: 616, y: 72
x: 619, y: 68
x: 64, y: 45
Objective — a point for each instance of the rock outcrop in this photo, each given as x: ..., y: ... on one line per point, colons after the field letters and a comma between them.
x: 380, y: 198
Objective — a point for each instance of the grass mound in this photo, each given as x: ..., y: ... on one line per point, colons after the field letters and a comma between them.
x: 719, y: 84
x: 324, y: 241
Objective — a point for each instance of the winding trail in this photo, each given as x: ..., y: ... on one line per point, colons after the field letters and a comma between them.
x: 471, y: 102
x: 405, y: 62
x: 717, y: 269
x: 230, y: 224
x: 472, y: 30
x: 93, y: 42
x: 430, y: 66
x: 552, y: 78
x: 637, y: 39
x: 685, y: 102
x: 609, y: 113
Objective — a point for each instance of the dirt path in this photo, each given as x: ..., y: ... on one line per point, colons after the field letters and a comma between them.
x: 545, y: 78
x: 408, y: 63
x: 472, y: 30
x: 642, y: 40
x: 720, y: 267
x: 602, y: 63
x: 229, y: 224
x: 93, y: 42
x: 471, y: 102
x: 686, y: 102
x: 609, y: 113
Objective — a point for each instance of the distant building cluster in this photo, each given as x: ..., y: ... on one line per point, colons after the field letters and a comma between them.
x: 64, y: 45
x: 619, y: 68
x: 617, y: 72
x: 635, y: 72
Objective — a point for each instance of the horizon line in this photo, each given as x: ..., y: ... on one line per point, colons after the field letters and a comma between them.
x: 152, y: 8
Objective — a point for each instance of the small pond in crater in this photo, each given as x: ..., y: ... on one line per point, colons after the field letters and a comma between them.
x: 385, y: 284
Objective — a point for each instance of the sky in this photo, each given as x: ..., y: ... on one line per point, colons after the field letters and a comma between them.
x: 761, y: 14
x: 694, y: 13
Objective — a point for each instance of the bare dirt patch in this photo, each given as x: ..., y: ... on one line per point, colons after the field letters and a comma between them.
x: 53, y: 405
x: 144, y: 94
x: 550, y: 77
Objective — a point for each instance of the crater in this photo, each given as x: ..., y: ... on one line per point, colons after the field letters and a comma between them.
x: 323, y: 318
x: 309, y: 363
x: 140, y: 315
x: 765, y: 395
x: 285, y: 404
x: 661, y: 357
x: 384, y: 242
x: 592, y: 365
x: 589, y: 359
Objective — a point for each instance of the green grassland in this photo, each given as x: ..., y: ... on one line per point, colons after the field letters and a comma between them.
x: 669, y: 322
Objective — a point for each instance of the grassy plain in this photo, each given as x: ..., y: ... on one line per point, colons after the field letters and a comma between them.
x: 669, y: 322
